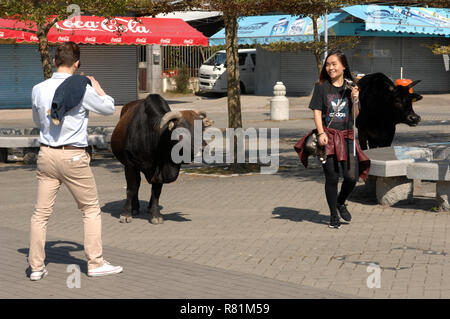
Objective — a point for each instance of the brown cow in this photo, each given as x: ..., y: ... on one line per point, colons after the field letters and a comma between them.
x: 142, y: 142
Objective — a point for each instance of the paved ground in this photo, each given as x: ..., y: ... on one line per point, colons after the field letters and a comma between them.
x: 258, y: 236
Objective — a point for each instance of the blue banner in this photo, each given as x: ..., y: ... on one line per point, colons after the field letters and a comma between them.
x: 403, y: 19
x: 266, y: 29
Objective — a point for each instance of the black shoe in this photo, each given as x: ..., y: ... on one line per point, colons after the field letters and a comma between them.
x: 334, y: 222
x: 342, y: 209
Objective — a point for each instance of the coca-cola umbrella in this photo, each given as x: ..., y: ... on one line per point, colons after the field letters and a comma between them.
x: 100, y: 30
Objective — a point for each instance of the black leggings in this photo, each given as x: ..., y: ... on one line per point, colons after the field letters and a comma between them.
x: 332, y: 169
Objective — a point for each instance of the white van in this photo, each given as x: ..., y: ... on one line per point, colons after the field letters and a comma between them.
x: 213, y: 75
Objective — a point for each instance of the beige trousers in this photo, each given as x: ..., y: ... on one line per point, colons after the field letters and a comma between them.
x: 69, y: 167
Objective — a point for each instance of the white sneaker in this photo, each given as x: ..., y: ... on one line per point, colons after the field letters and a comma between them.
x: 37, y: 275
x: 106, y: 269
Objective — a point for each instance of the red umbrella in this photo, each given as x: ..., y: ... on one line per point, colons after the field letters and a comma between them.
x: 118, y: 30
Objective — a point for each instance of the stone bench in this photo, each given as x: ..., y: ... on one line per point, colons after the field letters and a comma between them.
x: 435, y: 171
x: 31, y: 144
x: 388, y: 179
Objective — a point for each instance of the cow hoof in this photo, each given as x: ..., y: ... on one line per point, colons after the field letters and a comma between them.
x: 125, y: 219
x: 156, y: 220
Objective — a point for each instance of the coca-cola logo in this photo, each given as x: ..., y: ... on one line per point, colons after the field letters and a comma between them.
x: 2, y: 34
x: 116, y: 40
x: 34, y: 38
x: 114, y: 25
x: 69, y: 25
x: 90, y: 39
x: 190, y: 41
x: 63, y: 39
x: 165, y: 41
x: 141, y: 40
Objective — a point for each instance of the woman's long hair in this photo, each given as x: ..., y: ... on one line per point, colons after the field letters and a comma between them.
x: 347, y: 73
x: 341, y: 56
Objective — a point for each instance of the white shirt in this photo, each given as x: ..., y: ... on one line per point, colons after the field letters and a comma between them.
x: 72, y: 129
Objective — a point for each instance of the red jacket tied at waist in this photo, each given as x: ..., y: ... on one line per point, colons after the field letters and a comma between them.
x: 337, y: 146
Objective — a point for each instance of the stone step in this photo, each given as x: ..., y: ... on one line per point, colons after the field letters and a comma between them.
x: 433, y: 171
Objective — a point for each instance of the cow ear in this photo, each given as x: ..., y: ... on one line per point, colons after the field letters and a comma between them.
x: 206, y: 121
x: 416, y: 97
x: 410, y: 85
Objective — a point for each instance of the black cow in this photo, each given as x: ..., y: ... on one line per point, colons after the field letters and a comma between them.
x: 142, y: 142
x: 383, y: 105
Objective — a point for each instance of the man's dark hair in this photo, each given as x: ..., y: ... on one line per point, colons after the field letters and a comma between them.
x: 67, y: 54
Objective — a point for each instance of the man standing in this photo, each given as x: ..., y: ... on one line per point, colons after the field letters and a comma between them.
x: 63, y: 159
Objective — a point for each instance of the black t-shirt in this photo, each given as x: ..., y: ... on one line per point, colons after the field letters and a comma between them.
x: 333, y: 101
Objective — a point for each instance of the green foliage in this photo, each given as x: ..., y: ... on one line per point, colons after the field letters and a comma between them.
x: 215, y: 48
x: 43, y: 14
x: 39, y: 11
x: 182, y: 79
x: 438, y: 49
x: 342, y: 43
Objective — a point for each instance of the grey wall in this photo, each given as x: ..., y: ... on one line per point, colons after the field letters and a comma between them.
x: 115, y: 68
x: 297, y: 70
x: 388, y: 54
x: 267, y: 71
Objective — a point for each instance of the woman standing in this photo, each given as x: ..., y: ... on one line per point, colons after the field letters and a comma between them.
x: 333, y: 116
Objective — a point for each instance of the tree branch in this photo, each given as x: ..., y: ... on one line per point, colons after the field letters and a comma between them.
x: 50, y: 25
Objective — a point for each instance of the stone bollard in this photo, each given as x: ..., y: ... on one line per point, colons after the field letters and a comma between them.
x: 443, y: 195
x: 279, y: 104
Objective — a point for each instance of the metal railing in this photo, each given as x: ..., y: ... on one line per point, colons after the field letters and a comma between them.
x: 175, y: 57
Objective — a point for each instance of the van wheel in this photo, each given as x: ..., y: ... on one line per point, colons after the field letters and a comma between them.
x: 242, y: 87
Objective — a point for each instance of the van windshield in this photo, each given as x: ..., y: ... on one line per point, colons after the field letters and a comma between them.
x: 217, y: 59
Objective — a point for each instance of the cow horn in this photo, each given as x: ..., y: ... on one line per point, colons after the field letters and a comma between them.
x: 169, y: 116
x: 390, y: 85
x: 410, y: 85
x: 205, y: 120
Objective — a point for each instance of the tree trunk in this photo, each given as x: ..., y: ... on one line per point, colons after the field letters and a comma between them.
x: 233, y: 78
x: 317, y: 51
x: 44, y: 50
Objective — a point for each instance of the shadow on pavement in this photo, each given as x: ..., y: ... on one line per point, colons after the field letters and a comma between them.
x: 115, y: 209
x: 209, y: 95
x: 58, y: 252
x: 176, y: 101
x: 427, y: 204
x: 6, y: 167
x: 300, y: 214
x: 312, y: 173
x: 360, y: 195
x: 419, y: 203
x: 110, y: 164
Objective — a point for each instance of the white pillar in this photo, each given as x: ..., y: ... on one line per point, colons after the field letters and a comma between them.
x: 279, y: 104
x: 154, y: 69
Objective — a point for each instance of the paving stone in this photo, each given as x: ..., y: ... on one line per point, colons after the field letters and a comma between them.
x: 259, y: 236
